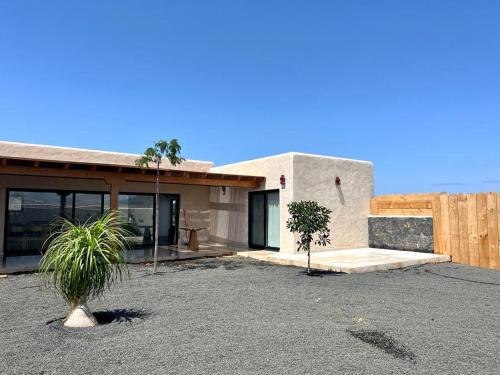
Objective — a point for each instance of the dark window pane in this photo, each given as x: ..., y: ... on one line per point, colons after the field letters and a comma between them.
x: 107, y: 204
x: 258, y: 234
x: 137, y: 211
x: 87, y: 207
x: 29, y: 215
x: 67, y: 203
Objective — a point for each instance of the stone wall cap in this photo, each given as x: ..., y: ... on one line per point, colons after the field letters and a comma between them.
x: 404, y: 216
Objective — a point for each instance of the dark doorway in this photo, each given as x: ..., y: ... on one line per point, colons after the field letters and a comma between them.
x: 169, y: 219
x: 263, y: 220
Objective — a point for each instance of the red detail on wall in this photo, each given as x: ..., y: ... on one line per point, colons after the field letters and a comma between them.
x: 282, y: 180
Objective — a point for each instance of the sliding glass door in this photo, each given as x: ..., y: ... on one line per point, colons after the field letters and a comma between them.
x: 264, y: 220
x: 30, y: 214
x: 273, y: 219
x: 257, y: 227
x: 138, y: 212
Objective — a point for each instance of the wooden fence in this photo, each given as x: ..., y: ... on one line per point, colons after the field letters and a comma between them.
x: 465, y: 226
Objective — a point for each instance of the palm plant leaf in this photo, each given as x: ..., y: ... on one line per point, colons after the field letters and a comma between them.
x: 143, y: 161
x: 81, y: 261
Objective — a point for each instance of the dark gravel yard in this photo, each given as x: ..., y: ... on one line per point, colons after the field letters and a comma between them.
x: 239, y: 316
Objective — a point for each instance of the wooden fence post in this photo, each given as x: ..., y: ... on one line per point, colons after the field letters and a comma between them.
x: 482, y: 230
x: 492, y: 216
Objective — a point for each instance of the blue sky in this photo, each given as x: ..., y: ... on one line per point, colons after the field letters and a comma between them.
x: 413, y: 86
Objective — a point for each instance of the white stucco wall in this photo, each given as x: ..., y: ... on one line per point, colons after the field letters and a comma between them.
x: 308, y: 177
x: 194, y: 199
x: 229, y: 216
x: 229, y: 213
x: 314, y: 179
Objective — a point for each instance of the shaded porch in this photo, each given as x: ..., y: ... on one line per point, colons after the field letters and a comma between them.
x: 44, y: 183
x: 29, y: 263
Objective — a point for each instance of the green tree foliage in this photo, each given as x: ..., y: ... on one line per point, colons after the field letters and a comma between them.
x: 310, y: 221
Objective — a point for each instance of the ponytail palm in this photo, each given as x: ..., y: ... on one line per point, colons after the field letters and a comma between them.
x: 81, y: 261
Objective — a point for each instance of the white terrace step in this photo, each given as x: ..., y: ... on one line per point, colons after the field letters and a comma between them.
x: 358, y: 260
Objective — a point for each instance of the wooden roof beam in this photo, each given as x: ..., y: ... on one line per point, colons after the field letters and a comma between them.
x: 209, y: 180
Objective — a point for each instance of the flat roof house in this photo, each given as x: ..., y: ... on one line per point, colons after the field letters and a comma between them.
x: 241, y: 205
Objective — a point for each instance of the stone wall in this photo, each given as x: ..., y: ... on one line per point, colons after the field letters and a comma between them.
x: 411, y: 233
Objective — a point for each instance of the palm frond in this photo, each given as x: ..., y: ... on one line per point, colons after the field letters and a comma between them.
x: 81, y: 261
x: 143, y: 161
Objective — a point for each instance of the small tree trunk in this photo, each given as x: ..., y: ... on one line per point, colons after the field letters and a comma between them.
x: 309, y: 260
x: 157, y: 217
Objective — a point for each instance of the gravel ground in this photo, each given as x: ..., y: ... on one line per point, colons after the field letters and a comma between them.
x: 239, y: 316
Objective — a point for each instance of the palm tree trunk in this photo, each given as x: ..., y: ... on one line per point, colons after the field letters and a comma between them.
x: 157, y: 217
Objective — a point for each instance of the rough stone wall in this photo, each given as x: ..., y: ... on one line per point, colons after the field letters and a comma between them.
x: 412, y: 233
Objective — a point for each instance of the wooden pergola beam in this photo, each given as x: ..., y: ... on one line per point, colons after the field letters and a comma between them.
x: 184, y: 178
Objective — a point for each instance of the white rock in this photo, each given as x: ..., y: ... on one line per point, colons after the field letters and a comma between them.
x: 81, y: 317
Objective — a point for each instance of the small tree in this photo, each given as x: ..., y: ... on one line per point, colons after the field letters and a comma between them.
x: 154, y: 155
x: 309, y: 219
x: 81, y: 261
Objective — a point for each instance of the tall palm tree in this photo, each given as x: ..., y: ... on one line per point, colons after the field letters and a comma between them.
x: 154, y: 155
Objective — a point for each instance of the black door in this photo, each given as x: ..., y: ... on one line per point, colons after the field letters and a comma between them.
x: 169, y: 219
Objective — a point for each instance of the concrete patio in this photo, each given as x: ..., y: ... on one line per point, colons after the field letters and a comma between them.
x: 350, y: 260
x: 165, y: 253
x: 357, y: 260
